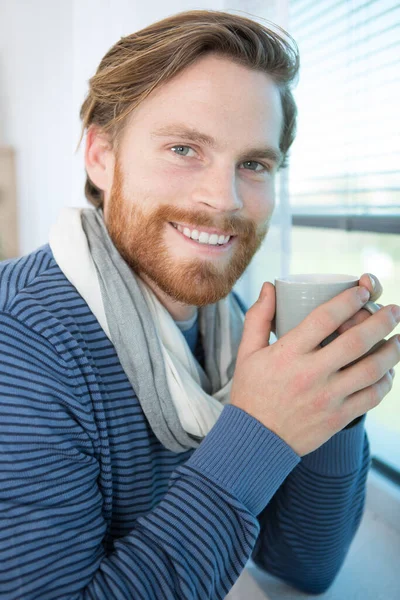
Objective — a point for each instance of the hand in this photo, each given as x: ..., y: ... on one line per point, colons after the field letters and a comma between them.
x: 296, y: 388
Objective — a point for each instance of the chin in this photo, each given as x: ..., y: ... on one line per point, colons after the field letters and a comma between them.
x: 195, y: 294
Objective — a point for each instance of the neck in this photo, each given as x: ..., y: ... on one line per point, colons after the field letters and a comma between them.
x: 177, y: 310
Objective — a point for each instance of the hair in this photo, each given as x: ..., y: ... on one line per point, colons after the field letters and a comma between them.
x: 140, y: 62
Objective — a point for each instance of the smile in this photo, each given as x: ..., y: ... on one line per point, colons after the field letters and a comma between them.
x: 203, y: 237
x: 202, y: 243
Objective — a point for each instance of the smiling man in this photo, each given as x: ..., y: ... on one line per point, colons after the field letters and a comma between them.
x: 188, y: 198
x: 151, y: 439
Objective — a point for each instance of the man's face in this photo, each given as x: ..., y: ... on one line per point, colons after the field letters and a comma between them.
x: 165, y: 178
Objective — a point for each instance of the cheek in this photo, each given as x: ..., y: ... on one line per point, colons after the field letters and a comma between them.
x: 144, y: 173
x: 151, y: 190
x: 262, y: 206
x: 166, y: 181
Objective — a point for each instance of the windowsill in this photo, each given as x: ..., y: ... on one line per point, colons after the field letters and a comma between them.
x: 371, y: 569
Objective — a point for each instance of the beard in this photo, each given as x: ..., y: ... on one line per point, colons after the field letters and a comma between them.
x: 140, y: 238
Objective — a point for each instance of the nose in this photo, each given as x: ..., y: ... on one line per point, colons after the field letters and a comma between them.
x: 218, y: 189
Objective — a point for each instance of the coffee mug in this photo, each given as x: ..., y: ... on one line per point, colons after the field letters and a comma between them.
x: 298, y: 295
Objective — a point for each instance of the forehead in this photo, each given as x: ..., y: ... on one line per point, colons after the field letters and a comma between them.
x: 219, y: 97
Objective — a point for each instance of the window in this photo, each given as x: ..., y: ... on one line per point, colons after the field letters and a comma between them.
x: 344, y: 179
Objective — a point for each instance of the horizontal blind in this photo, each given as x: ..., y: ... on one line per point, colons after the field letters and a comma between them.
x: 346, y: 155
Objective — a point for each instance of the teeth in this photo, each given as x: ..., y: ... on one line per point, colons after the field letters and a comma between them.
x: 202, y: 237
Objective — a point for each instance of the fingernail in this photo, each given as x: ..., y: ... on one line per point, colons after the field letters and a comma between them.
x: 262, y: 293
x: 396, y: 313
x: 372, y: 280
x: 363, y: 293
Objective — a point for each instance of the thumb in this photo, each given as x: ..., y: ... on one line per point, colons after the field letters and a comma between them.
x: 258, y: 323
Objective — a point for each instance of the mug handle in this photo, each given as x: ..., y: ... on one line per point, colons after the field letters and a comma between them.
x: 372, y: 308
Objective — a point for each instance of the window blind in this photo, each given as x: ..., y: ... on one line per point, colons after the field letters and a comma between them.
x: 346, y: 156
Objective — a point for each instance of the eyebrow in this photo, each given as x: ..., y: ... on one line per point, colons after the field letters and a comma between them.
x: 193, y: 135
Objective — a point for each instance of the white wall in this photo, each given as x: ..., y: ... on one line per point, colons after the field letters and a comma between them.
x: 35, y: 108
x: 48, y: 51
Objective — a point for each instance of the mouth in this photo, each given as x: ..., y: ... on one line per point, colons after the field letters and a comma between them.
x: 211, y: 249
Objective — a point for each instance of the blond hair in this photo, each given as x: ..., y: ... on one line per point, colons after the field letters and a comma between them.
x: 140, y: 62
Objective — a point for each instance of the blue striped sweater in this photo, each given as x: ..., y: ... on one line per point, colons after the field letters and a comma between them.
x: 93, y: 506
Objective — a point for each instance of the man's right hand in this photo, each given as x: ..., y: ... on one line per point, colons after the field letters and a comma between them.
x: 296, y: 388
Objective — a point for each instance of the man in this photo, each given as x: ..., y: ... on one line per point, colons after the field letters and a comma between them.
x: 152, y: 441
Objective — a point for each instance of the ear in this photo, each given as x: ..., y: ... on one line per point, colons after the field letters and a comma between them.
x: 99, y: 158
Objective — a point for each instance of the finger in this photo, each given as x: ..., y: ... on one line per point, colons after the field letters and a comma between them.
x: 325, y: 320
x: 359, y: 340
x: 361, y: 402
x: 375, y: 291
x: 258, y: 323
x: 368, y: 370
x: 370, y: 351
x: 358, y: 318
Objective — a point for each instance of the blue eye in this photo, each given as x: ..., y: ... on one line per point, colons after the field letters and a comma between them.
x: 265, y: 168
x: 249, y: 162
x: 180, y: 147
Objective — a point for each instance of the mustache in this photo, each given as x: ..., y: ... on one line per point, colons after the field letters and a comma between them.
x: 230, y: 224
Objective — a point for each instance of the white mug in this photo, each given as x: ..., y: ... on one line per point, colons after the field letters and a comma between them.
x: 298, y: 295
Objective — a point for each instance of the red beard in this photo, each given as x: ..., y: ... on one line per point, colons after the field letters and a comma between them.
x: 142, y: 241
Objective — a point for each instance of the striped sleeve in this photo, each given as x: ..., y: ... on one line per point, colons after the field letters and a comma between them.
x: 307, y: 528
x: 192, y: 545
